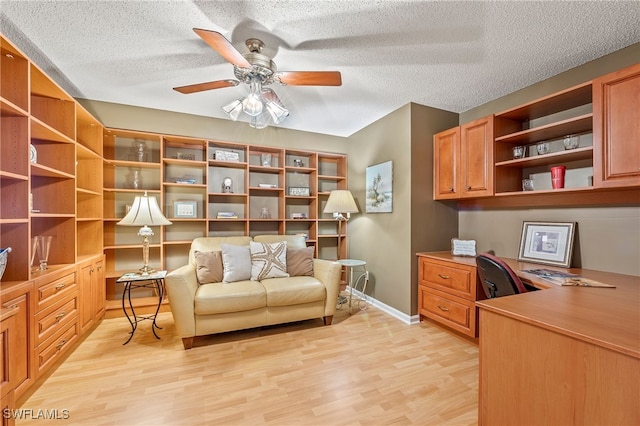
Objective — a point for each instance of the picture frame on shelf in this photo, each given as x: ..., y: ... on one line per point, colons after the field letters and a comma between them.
x: 548, y: 243
x: 185, y: 209
x: 300, y: 191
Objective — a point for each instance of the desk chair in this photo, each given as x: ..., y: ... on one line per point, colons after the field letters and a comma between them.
x: 497, y: 278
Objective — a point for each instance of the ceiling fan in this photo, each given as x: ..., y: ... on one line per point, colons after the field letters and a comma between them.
x: 256, y: 70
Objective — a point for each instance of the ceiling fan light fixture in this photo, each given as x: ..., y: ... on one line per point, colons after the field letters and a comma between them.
x: 233, y: 109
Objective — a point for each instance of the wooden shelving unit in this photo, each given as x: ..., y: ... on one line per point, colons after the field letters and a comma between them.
x: 182, y: 169
x: 51, y: 185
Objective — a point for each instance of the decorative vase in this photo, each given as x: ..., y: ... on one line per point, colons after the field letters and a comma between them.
x: 134, y: 179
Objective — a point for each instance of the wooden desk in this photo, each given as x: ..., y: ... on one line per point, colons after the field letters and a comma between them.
x: 565, y: 355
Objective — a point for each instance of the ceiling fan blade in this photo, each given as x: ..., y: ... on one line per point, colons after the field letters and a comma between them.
x: 310, y: 78
x: 223, y: 47
x: 201, y: 87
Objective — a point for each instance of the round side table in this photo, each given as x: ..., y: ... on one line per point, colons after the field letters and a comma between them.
x: 363, y: 278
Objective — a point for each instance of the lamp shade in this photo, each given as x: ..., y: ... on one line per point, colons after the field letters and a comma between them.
x: 341, y: 201
x: 144, y: 212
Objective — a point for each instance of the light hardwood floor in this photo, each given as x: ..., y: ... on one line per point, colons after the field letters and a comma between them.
x: 367, y: 368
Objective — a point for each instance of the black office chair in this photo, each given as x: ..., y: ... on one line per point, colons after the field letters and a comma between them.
x: 497, y: 278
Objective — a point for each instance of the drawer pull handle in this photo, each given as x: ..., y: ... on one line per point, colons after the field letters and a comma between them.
x: 442, y: 308
x: 61, y: 344
x: 60, y: 315
x: 59, y: 286
x: 444, y: 277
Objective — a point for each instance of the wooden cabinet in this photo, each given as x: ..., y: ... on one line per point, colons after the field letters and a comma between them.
x: 446, y: 147
x: 8, y: 331
x: 20, y: 296
x: 616, y: 124
x: 448, y: 290
x: 463, y: 161
x: 92, y: 292
x: 476, y: 158
x: 55, y: 317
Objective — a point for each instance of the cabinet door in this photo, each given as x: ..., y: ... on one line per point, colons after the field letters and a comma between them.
x: 446, y: 148
x: 616, y: 128
x: 99, y: 291
x: 21, y: 344
x: 476, y: 158
x: 85, y: 296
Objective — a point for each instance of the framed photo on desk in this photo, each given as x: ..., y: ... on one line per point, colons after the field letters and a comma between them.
x: 549, y: 243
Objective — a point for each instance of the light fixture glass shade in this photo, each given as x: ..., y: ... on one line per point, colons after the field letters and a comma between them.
x: 252, y: 104
x: 274, y: 106
x: 144, y: 212
x: 340, y: 201
x: 233, y: 109
x: 259, y: 121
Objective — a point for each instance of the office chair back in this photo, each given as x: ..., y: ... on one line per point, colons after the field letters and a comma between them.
x: 497, y: 278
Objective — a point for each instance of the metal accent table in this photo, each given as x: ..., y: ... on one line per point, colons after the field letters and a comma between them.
x: 351, y: 264
x: 134, y: 280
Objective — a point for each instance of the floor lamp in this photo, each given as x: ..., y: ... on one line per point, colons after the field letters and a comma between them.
x: 341, y: 204
x: 145, y: 212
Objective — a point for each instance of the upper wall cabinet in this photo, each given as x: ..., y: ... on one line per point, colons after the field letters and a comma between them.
x: 463, y: 161
x: 616, y: 122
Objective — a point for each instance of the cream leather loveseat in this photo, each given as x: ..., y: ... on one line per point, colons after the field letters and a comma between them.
x: 206, y: 308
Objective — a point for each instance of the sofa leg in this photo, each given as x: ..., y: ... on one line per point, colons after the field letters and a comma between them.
x: 187, y: 342
x: 327, y: 320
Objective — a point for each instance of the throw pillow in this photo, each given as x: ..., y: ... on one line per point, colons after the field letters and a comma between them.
x: 300, y: 262
x: 208, y: 266
x: 237, y: 263
x: 268, y: 260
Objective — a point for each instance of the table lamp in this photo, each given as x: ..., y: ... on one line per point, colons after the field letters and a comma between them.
x: 341, y: 204
x: 145, y: 212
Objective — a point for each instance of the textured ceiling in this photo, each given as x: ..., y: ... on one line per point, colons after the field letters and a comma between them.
x: 451, y: 55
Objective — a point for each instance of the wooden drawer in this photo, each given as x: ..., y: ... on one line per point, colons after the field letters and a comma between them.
x: 49, y: 293
x: 56, y: 346
x: 454, y: 312
x: 456, y: 279
x: 55, y: 317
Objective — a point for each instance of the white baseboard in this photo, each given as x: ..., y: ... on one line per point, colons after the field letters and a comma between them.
x: 407, y: 319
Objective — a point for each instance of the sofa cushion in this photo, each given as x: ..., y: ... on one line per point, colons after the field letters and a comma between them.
x: 293, y: 291
x: 237, y: 263
x: 268, y: 260
x: 221, y: 298
x: 209, y: 267
x: 300, y: 261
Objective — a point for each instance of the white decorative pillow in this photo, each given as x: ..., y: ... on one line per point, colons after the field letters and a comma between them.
x: 268, y: 260
x: 236, y: 261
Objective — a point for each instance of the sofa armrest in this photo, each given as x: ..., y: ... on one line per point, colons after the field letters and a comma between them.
x: 181, y: 285
x: 328, y: 273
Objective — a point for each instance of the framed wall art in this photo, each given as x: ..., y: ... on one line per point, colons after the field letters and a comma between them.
x: 549, y: 243
x: 379, y: 187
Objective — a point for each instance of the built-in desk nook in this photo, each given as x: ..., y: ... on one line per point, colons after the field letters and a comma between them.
x: 564, y: 355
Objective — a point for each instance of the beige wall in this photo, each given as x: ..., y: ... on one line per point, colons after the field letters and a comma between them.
x: 172, y: 123
x: 388, y: 241
x: 608, y: 237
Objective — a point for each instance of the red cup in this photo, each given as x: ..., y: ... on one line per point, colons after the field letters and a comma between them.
x: 557, y: 177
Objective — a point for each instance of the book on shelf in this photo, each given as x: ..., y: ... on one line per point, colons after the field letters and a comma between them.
x: 227, y: 215
x: 186, y: 181
x: 267, y: 185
